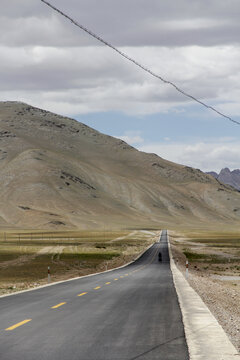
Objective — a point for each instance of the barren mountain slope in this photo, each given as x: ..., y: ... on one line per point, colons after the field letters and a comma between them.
x: 58, y: 173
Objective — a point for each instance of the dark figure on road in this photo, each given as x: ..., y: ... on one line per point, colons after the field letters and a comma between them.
x: 160, y: 256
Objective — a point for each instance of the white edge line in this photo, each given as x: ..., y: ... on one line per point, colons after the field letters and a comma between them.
x: 80, y: 277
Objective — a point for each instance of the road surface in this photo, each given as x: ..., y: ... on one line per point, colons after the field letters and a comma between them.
x: 127, y: 314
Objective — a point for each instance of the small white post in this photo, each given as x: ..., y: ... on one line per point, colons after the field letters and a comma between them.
x: 186, y: 268
x: 49, y: 275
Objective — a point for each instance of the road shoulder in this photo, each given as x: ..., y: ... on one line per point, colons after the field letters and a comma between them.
x: 206, y: 338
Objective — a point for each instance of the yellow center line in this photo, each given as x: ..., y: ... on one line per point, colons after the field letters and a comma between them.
x: 98, y: 287
x: 121, y: 277
x: 115, y: 279
x: 107, y: 283
x: 58, y: 305
x: 126, y: 274
x: 18, y: 324
x: 82, y: 294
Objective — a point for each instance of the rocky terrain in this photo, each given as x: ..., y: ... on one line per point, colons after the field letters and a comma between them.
x: 57, y: 173
x: 228, y: 177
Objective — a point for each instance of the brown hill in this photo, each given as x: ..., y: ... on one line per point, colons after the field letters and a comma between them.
x: 57, y: 173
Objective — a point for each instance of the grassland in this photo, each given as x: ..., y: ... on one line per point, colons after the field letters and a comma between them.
x: 209, y: 252
x: 25, y: 256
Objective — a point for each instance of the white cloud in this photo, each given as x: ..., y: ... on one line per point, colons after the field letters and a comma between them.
x: 93, y: 79
x: 206, y: 156
x: 131, y: 137
x: 192, y: 24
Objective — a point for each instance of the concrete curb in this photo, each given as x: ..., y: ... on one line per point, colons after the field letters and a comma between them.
x: 205, y: 337
x: 79, y: 277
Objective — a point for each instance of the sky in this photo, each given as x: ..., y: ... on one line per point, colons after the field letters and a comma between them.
x: 48, y: 62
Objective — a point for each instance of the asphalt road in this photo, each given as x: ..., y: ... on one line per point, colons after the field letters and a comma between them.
x: 130, y: 313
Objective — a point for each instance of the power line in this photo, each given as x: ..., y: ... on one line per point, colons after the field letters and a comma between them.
x: 138, y: 64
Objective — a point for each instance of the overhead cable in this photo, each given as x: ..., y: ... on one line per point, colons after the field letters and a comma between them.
x: 138, y: 64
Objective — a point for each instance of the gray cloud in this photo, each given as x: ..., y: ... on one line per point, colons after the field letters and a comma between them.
x: 125, y: 23
x: 48, y: 62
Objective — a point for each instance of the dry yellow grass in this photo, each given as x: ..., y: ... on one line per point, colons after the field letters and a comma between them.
x: 25, y: 256
x: 212, y: 253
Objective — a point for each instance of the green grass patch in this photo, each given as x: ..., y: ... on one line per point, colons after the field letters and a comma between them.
x: 6, y: 256
x: 209, y: 258
x: 194, y: 256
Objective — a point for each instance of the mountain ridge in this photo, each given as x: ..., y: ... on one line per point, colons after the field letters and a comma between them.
x: 57, y: 173
x: 228, y: 177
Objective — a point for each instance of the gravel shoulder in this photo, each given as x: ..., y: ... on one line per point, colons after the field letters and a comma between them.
x: 221, y: 297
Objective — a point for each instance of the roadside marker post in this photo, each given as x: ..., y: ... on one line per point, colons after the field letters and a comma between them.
x: 186, y: 268
x: 49, y: 275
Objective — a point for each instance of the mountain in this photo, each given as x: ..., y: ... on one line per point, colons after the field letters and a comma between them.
x: 228, y: 177
x: 57, y: 173
x: 212, y: 173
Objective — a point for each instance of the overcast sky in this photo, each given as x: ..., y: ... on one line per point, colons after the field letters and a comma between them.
x: 49, y: 63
